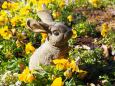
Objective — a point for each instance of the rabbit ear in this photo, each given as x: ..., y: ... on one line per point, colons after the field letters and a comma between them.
x: 45, y: 16
x: 37, y: 26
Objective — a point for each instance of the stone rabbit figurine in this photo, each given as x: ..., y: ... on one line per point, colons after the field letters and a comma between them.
x: 56, y: 44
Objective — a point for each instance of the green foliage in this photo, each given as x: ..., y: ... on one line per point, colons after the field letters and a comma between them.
x: 13, y: 56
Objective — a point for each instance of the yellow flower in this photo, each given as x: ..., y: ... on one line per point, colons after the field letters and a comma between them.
x: 26, y: 76
x: 4, y: 5
x: 5, y: 33
x: 30, y: 78
x: 3, y: 20
x: 3, y: 17
x: 18, y: 44
x: 8, y: 5
x: 82, y: 74
x: 70, y: 18
x: 62, y: 4
x: 3, y: 12
x: 60, y: 67
x: 23, y: 23
x: 104, y: 32
x: 29, y: 48
x: 20, y: 36
x: 94, y: 2
x: 13, y: 6
x: 104, y: 25
x: 40, y: 5
x: 23, y: 76
x: 61, y: 64
x: 74, y: 33
x: 57, y: 82
x: 44, y: 36
x: 73, y: 66
x: 24, y: 11
x: 105, y: 29
x: 15, y: 20
x: 55, y: 14
x: 68, y: 73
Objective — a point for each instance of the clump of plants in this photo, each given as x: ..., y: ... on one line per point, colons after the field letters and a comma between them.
x: 91, y: 60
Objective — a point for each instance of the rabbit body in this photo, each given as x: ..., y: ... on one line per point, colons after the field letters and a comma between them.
x: 56, y: 44
x: 45, y: 54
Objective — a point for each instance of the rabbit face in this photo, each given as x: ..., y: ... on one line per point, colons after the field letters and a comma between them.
x: 59, y: 34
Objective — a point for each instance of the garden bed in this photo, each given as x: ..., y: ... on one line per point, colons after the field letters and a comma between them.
x: 91, y: 59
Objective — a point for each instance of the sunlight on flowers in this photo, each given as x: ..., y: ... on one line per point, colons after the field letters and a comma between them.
x: 29, y: 48
x: 26, y: 76
x: 61, y: 64
x: 5, y: 32
x: 57, y: 82
x: 20, y: 22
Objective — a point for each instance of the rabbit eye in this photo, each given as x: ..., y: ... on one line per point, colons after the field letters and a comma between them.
x: 56, y: 33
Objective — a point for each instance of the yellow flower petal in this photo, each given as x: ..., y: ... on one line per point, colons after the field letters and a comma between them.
x: 62, y: 4
x: 68, y: 73
x: 30, y: 78
x: 4, y: 5
x: 29, y: 48
x: 70, y: 18
x: 61, y: 64
x: 74, y: 67
x: 57, y: 82
x: 5, y: 33
x: 44, y: 36
x: 105, y: 29
x: 26, y: 76
x: 74, y: 34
